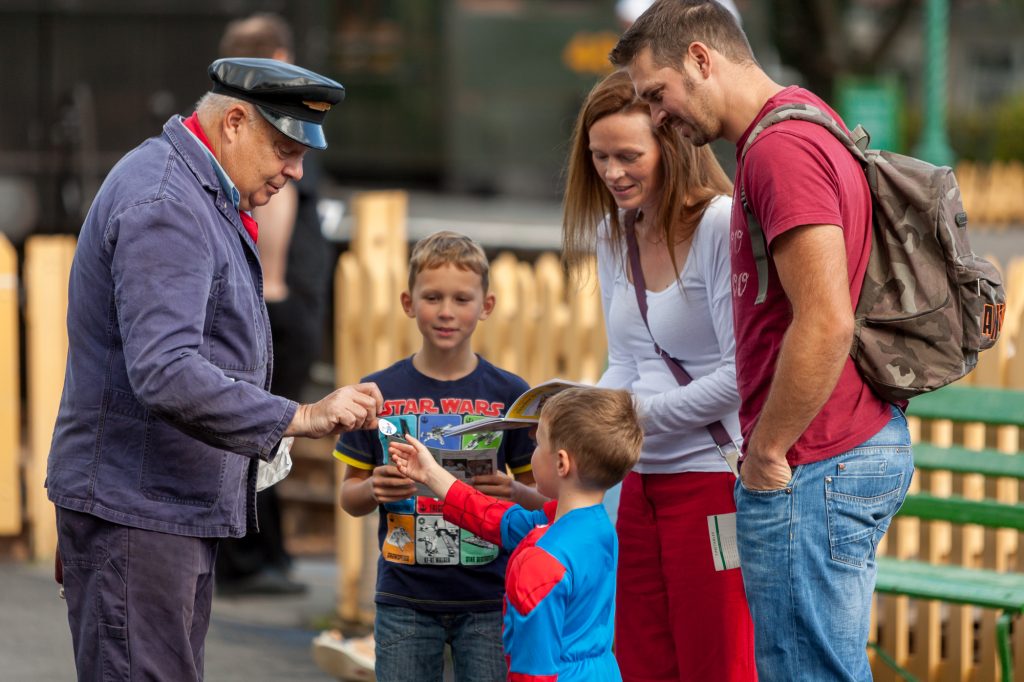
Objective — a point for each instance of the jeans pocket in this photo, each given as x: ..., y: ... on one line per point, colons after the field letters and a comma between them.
x: 487, y: 625
x: 786, y: 489
x: 859, y: 509
x: 394, y: 625
x: 783, y: 490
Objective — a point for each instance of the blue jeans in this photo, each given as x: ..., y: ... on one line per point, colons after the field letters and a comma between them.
x: 410, y: 645
x: 808, y: 557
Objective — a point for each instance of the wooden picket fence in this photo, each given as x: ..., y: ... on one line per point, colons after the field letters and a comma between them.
x: 543, y: 326
x: 46, y: 270
x: 993, y: 193
x: 932, y: 640
x: 10, y: 403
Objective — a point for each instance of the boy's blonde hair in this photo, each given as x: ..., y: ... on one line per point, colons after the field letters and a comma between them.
x: 448, y: 248
x: 600, y: 428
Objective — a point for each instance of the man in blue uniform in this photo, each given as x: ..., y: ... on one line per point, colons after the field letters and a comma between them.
x: 167, y: 409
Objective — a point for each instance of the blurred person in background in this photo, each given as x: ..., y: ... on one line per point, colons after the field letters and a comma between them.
x: 680, y: 613
x: 166, y: 411
x: 296, y: 262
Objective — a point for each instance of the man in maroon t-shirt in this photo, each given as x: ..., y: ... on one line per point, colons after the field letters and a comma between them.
x: 827, y: 463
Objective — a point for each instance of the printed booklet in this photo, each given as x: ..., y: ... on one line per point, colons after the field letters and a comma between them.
x: 462, y: 464
x: 524, y: 412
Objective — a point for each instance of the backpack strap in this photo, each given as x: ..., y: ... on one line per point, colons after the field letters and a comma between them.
x: 759, y: 244
x: 856, y: 143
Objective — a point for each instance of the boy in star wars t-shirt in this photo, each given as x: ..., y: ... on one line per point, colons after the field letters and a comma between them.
x: 437, y: 583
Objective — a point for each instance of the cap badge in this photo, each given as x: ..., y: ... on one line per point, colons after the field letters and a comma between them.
x: 317, y: 106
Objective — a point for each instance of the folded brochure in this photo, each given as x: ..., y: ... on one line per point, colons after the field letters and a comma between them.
x: 463, y: 464
x: 522, y: 413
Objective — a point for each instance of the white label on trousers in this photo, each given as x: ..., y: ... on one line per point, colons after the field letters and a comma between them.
x: 722, y: 531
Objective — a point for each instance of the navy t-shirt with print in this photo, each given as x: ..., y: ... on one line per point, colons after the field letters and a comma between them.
x: 427, y: 563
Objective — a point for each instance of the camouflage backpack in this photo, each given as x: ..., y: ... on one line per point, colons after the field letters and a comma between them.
x: 929, y: 305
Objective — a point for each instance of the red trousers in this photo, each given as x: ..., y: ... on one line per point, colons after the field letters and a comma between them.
x: 676, y: 617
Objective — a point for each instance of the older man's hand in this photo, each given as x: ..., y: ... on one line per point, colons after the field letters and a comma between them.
x: 347, y: 409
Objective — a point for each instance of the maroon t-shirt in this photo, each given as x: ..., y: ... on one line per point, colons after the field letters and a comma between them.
x: 797, y: 173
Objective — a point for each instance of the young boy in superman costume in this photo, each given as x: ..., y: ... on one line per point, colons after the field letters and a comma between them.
x: 560, y: 580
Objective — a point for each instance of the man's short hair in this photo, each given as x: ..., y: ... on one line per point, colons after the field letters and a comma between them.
x: 600, y: 428
x: 215, y: 105
x: 448, y: 248
x: 259, y: 35
x: 670, y: 26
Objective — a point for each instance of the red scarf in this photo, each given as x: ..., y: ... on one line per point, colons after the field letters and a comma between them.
x: 248, y: 222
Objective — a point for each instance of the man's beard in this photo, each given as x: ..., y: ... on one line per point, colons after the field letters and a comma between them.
x: 698, y: 137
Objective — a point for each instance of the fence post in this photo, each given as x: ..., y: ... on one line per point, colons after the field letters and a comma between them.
x: 1013, y: 326
x: 348, y: 306
x: 1008, y: 440
x: 552, y: 319
x: 498, y: 338
x: 379, y: 243
x: 10, y: 400
x: 369, y: 335
x: 585, y: 341
x: 47, y: 270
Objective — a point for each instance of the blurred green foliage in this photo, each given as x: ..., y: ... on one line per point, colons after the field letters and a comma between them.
x: 970, y: 135
x: 993, y: 134
x: 1008, y: 140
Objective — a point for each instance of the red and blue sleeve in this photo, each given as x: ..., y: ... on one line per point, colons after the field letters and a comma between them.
x: 497, y: 521
x: 480, y: 514
x: 538, y: 589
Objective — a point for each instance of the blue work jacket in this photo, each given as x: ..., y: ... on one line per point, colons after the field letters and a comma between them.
x: 166, y: 405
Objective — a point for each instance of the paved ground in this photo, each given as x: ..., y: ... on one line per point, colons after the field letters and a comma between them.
x: 251, y: 639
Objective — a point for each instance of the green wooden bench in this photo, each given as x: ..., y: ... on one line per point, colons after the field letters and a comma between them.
x: 955, y: 584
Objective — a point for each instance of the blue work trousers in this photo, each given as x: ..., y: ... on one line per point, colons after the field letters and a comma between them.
x: 138, y: 600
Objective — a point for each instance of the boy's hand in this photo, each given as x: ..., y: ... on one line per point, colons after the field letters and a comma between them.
x: 414, y: 460
x: 498, y: 484
x: 389, y: 485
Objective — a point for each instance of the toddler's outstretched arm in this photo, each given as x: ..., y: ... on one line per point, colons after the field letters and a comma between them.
x: 415, y: 461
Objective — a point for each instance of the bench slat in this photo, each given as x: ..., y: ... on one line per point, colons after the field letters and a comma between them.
x: 959, y: 510
x: 963, y: 461
x: 971, y: 404
x: 952, y: 584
